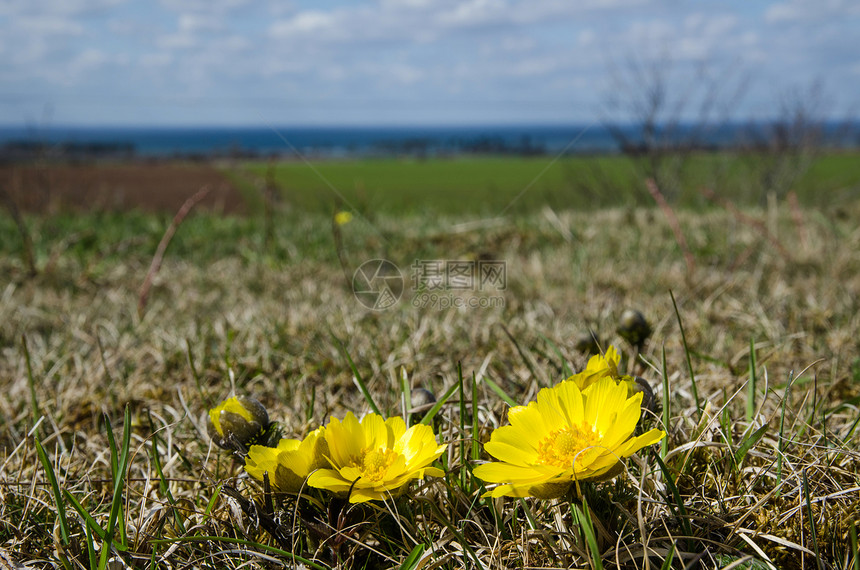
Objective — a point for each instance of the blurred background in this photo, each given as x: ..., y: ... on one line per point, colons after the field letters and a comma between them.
x: 121, y: 81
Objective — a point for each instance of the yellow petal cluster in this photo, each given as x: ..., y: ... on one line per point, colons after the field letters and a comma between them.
x: 601, y: 366
x: 342, y: 218
x: 289, y: 464
x: 376, y: 458
x: 569, y: 433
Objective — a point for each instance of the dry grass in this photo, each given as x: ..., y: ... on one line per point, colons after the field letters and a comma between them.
x: 270, y: 326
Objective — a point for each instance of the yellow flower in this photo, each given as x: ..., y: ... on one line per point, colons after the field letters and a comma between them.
x: 289, y: 464
x: 599, y: 366
x: 342, y: 218
x: 236, y: 420
x: 376, y: 458
x: 568, y: 434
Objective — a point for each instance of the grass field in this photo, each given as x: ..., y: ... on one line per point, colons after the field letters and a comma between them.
x: 758, y: 394
x: 493, y: 185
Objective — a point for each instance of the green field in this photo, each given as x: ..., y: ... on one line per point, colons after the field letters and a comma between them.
x: 758, y: 392
x: 490, y: 186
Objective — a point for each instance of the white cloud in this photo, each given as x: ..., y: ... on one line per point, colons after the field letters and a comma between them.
x: 475, y: 13
x: 205, y: 6
x: 407, y: 50
x: 321, y: 24
x: 191, y: 22
x: 48, y: 26
x: 809, y: 10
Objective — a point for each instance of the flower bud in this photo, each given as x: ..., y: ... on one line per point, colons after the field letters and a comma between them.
x: 421, y: 401
x: 237, y: 422
x: 634, y: 328
x: 422, y: 397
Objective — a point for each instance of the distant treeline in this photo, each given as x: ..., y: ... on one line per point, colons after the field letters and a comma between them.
x: 81, y: 144
x: 25, y: 150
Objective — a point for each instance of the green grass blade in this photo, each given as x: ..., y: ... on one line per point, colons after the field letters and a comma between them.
x: 752, y: 383
x: 405, y: 395
x: 462, y: 426
x: 678, y: 507
x: 667, y: 562
x: 748, y: 443
x: 312, y: 400
x: 91, y: 523
x: 501, y: 393
x: 193, y: 367
x: 359, y: 380
x: 431, y: 413
x: 91, y: 548
x: 533, y: 524
x: 411, y: 561
x: 55, y: 490
x: 812, y: 524
x: 31, y: 383
x: 163, y: 485
x: 213, y: 500
x: 781, y: 442
x: 695, y: 389
x: 583, y: 517
x: 667, y: 414
x: 114, y: 454
x: 119, y: 480
x: 476, y: 445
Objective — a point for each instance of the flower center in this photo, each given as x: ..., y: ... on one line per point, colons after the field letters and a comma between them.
x: 374, y: 463
x: 561, y: 446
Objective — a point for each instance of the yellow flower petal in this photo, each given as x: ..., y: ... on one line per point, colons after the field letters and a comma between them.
x: 567, y: 434
x: 343, y: 217
x: 498, y: 472
x: 530, y: 422
x: 286, y: 465
x: 376, y: 432
x: 329, y: 479
x: 648, y: 438
x: 604, y: 399
x: 625, y: 423
x: 509, y: 453
x: 237, y: 420
x: 375, y: 458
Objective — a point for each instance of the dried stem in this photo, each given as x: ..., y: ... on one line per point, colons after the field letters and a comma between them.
x: 797, y: 217
x: 674, y: 224
x: 162, y: 246
x: 747, y: 220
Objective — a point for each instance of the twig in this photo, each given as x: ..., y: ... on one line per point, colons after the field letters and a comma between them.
x: 673, y: 223
x: 748, y: 220
x: 162, y: 246
x: 269, y: 197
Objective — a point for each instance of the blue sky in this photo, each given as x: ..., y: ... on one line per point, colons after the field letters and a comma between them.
x: 414, y: 62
